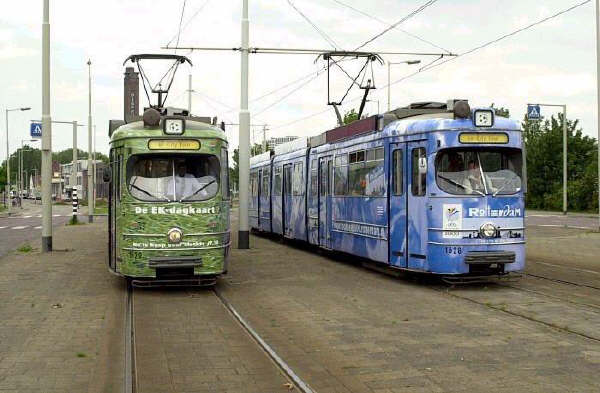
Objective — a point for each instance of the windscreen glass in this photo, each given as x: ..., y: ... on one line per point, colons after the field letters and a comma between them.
x: 484, y: 171
x: 154, y: 178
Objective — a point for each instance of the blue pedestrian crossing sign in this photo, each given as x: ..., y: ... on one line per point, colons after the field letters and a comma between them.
x: 533, y: 112
x: 35, y: 130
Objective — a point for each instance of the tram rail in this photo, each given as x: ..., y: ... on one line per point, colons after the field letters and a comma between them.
x: 130, y: 379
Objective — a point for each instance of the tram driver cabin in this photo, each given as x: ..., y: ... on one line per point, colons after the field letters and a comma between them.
x: 431, y: 187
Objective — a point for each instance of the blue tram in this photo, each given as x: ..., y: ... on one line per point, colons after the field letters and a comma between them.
x: 432, y: 187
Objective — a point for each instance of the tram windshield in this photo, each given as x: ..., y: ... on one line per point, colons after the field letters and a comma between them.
x: 485, y: 171
x: 155, y: 178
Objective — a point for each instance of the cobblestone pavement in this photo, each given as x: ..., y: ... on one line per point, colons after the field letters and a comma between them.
x: 186, y: 341
x: 62, y: 317
x: 344, y: 328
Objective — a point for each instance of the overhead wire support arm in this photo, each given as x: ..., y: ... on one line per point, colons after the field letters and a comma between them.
x: 302, y: 51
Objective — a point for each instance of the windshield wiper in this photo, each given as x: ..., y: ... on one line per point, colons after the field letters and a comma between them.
x: 198, y: 190
x: 147, y: 193
x: 504, y: 184
x: 459, y: 185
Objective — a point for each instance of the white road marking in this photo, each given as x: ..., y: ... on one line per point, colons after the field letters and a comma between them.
x: 20, y: 227
x: 38, y: 227
x: 27, y: 216
x: 2, y: 227
x: 550, y: 225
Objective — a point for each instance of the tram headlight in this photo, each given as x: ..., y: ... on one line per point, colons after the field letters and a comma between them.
x: 488, y: 230
x: 175, y: 235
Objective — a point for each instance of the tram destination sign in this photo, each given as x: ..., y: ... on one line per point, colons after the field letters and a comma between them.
x: 483, y: 137
x: 173, y: 144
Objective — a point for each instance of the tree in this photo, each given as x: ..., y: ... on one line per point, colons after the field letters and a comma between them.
x: 351, y: 116
x: 544, y: 144
x: 234, y: 173
x: 502, y: 111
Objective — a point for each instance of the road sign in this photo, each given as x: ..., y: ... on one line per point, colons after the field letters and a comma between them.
x: 533, y: 112
x: 35, y: 130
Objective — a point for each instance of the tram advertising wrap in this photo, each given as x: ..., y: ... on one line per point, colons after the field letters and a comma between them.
x: 435, y: 188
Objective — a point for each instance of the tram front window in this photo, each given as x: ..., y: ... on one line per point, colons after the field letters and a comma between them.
x: 485, y: 171
x: 156, y: 178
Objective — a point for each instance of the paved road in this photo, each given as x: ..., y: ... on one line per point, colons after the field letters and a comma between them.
x: 556, y: 219
x: 26, y: 225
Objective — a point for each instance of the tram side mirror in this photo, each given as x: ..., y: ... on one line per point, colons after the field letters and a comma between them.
x: 422, y: 165
x: 106, y: 175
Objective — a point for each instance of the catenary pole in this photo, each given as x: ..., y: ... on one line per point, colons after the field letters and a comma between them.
x: 598, y: 89
x: 9, y: 199
x: 90, y: 176
x: 244, y: 137
x: 564, y: 159
x: 46, y: 134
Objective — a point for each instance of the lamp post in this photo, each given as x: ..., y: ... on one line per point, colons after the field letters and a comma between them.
x: 90, y: 177
x: 409, y: 62
x: 8, y: 156
x: 46, y: 134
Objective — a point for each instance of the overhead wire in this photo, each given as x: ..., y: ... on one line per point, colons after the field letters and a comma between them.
x: 394, y: 25
x: 491, y: 42
x: 435, y: 63
x: 387, y: 24
x: 180, y: 20
x: 321, y: 32
x: 188, y: 22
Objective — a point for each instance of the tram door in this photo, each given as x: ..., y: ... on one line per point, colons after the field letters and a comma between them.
x: 114, y: 197
x: 416, y: 173
x: 325, y: 180
x: 259, y: 208
x: 398, y: 218
x: 287, y: 200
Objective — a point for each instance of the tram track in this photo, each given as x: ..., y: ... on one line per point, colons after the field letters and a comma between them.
x: 130, y: 380
x: 131, y: 372
x: 297, y: 382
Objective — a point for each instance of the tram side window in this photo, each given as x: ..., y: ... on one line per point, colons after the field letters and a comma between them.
x: 340, y: 175
x: 297, y: 180
x: 224, y: 174
x: 366, y: 174
x: 314, y: 186
x: 398, y: 172
x: 277, y: 181
x: 419, y: 180
x: 266, y: 174
x: 254, y: 184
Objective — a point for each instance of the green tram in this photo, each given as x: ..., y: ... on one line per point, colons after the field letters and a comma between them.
x: 169, y: 202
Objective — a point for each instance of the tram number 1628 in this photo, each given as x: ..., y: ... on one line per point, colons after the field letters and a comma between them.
x: 453, y: 250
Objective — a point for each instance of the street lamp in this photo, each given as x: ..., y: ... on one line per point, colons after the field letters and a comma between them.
x: 8, y: 156
x: 409, y: 62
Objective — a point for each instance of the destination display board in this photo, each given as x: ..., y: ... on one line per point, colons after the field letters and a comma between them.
x: 173, y: 144
x: 483, y: 137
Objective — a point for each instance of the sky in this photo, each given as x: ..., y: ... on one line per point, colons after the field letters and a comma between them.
x: 554, y: 62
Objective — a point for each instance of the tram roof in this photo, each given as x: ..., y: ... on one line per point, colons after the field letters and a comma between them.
x: 193, y: 128
x: 427, y: 123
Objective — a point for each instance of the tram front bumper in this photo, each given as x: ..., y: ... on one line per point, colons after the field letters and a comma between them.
x: 174, y: 262
x: 490, y: 257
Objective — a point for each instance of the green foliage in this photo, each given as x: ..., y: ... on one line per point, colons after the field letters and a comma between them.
x: 25, y: 248
x: 32, y: 159
x: 502, y: 111
x: 234, y: 173
x: 544, y: 142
